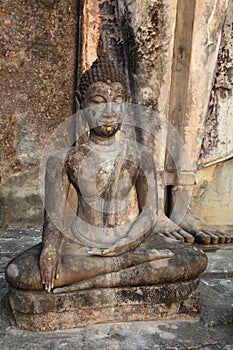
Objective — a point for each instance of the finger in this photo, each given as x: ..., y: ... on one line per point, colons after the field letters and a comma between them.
x: 49, y: 288
x: 160, y: 253
x: 52, y: 283
x: 48, y: 281
x: 42, y: 276
x: 51, y: 279
x: 108, y: 252
x: 46, y: 285
x: 95, y: 251
x: 91, y: 252
x: 57, y: 274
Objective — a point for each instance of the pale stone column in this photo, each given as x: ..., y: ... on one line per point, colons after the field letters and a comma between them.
x: 208, y: 21
x: 218, y: 141
x: 209, y: 16
x: 148, y: 31
x: 90, y: 29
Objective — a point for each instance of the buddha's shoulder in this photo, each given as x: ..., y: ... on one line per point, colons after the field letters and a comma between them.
x: 78, y: 151
x: 74, y: 156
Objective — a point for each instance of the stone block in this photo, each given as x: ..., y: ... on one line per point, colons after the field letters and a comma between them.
x: 42, y: 311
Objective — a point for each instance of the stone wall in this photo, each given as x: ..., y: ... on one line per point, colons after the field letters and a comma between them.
x: 213, y: 195
x: 218, y: 138
x: 37, y: 68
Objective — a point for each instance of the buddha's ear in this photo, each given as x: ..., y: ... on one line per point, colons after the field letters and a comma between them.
x: 78, y: 99
x: 128, y: 98
x: 103, y: 46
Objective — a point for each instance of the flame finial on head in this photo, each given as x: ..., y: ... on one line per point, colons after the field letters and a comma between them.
x: 103, y: 69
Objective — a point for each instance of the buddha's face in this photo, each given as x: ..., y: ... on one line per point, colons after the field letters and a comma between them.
x: 105, y: 103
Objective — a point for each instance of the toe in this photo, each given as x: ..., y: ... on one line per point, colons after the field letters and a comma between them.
x: 227, y: 239
x: 177, y: 236
x: 221, y: 237
x: 187, y: 236
x: 201, y: 237
x: 214, y: 239
x: 169, y: 235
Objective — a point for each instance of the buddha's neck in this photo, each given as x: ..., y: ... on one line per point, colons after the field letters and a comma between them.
x: 102, y: 141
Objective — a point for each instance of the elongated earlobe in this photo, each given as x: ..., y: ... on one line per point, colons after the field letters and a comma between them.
x: 78, y: 99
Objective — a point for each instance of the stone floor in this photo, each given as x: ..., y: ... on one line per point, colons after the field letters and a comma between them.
x: 212, y: 331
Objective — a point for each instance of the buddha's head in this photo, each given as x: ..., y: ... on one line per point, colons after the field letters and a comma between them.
x: 103, y: 91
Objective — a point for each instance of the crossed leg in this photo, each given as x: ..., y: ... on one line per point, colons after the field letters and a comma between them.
x: 23, y: 272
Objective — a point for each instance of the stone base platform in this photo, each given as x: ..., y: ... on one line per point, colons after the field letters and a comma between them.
x: 41, y: 311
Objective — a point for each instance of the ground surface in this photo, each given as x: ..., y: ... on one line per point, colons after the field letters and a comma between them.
x: 212, y: 331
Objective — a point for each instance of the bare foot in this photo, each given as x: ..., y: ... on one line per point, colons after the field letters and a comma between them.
x: 204, y: 232
x: 168, y: 228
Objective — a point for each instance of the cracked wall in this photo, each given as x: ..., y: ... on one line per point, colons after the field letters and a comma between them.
x: 217, y: 143
x: 37, y: 67
x: 213, y: 195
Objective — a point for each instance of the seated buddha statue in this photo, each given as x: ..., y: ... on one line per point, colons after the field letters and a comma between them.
x: 111, y: 240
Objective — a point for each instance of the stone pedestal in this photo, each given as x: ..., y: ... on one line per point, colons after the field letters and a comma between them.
x: 41, y: 311
x: 161, y: 289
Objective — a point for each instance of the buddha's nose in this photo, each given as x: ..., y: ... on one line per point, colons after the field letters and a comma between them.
x: 108, y: 109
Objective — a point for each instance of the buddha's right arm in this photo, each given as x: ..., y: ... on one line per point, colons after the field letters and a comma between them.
x: 51, y: 236
x: 50, y: 254
x: 56, y: 189
x: 55, y: 202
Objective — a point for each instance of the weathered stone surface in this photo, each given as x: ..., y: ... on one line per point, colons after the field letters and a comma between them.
x: 148, y: 31
x: 213, y: 190
x: 90, y: 36
x: 217, y: 287
x: 161, y: 335
x: 194, y: 62
x: 20, y: 201
x: 216, y: 299
x: 37, y: 68
x: 161, y: 289
x: 208, y: 22
x: 179, y: 295
x: 220, y: 264
x: 218, y: 137
x: 43, y: 312
x: 212, y: 197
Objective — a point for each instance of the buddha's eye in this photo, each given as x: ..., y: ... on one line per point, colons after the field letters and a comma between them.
x: 97, y: 99
x: 118, y: 99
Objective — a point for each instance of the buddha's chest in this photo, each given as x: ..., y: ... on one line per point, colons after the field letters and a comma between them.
x: 105, y: 176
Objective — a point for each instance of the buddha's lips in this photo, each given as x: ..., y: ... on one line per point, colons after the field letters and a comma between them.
x: 109, y: 126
